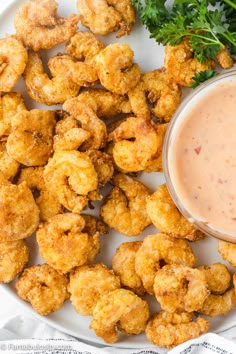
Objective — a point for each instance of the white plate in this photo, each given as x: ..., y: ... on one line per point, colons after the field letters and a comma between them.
x: 149, y: 56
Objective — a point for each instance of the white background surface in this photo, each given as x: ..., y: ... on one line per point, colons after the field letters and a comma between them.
x: 8, y: 307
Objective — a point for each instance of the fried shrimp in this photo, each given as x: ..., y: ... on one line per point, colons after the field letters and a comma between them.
x: 88, y: 284
x: 135, y: 144
x: 155, y: 163
x: 63, y: 244
x: 43, y: 287
x: 180, y: 289
x: 217, y: 276
x: 47, y: 202
x: 39, y: 27
x: 157, y: 89
x: 119, y: 309
x: 94, y: 228
x: 216, y: 305
x: 104, y: 103
x: 31, y: 139
x: 115, y: 68
x: 228, y: 252
x: 156, y: 249
x: 181, y: 64
x: 13, y: 258
x: 10, y: 104
x: 125, y: 207
x: 71, y: 176
x: 167, y: 218
x: 103, y: 165
x: 43, y: 89
x: 105, y: 16
x: 170, y: 329
x: 68, y: 134
x: 89, y: 122
x: 71, y: 69
x: 84, y: 46
x: 19, y: 214
x: 8, y: 166
x: 13, y: 58
x: 224, y: 59
x: 93, y: 225
x: 123, y: 264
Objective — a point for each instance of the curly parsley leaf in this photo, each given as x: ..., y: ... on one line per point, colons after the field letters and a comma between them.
x: 202, y: 76
x: 210, y: 24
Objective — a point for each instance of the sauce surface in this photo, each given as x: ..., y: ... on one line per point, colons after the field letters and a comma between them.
x: 202, y: 158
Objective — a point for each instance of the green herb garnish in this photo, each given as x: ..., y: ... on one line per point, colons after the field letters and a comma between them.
x: 209, y: 24
x: 202, y: 76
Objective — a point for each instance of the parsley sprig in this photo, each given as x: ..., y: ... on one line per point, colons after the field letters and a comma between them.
x: 201, y: 77
x: 210, y: 24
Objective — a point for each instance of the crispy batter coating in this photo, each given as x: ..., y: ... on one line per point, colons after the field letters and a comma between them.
x: 47, y: 202
x: 122, y: 310
x: 228, y: 252
x: 13, y: 58
x: 105, y: 16
x: 19, y: 214
x: 39, y: 27
x: 89, y: 122
x: 68, y: 134
x: 103, y: 165
x: 63, y: 244
x: 43, y: 89
x: 224, y: 59
x: 217, y: 276
x: 216, y: 305
x: 13, y: 258
x: 170, y: 329
x: 124, y: 208
x: 81, y: 73
x: 93, y: 227
x: 116, y: 69
x: 181, y: 64
x: 157, y: 89
x: 71, y: 176
x: 104, y: 103
x: 10, y: 104
x: 136, y: 143
x: 8, y: 166
x: 167, y: 218
x: 180, y: 289
x: 88, y: 284
x: 155, y: 163
x: 31, y: 139
x: 123, y: 264
x: 43, y: 287
x: 156, y: 249
x: 84, y: 46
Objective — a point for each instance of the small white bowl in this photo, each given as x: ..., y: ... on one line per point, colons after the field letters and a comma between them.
x: 177, y: 122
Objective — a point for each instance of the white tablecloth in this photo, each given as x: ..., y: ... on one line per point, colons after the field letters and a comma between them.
x: 18, y: 331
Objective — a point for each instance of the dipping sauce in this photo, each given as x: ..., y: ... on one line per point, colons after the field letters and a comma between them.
x: 201, y: 156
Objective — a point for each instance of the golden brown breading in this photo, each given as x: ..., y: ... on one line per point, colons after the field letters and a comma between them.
x: 43, y: 287
x: 88, y: 284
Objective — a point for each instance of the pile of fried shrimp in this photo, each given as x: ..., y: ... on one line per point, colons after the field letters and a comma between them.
x: 54, y: 164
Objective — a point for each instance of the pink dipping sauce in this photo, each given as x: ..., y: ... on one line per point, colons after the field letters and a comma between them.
x: 202, y: 156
